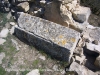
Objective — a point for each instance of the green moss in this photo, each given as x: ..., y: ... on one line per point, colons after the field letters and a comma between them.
x: 41, y: 71
x: 2, y: 71
x: 24, y: 72
x: 1, y: 49
x: 35, y: 62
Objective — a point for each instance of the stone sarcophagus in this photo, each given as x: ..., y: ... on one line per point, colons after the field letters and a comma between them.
x: 56, y: 40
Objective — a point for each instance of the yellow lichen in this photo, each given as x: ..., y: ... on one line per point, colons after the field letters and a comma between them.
x: 61, y: 36
x: 62, y: 42
x: 72, y: 39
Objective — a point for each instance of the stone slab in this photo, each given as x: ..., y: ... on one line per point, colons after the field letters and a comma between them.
x: 54, y: 39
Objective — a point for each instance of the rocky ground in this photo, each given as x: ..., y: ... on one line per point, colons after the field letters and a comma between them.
x: 19, y: 58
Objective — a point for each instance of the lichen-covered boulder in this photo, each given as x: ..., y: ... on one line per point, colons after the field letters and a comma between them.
x: 56, y: 40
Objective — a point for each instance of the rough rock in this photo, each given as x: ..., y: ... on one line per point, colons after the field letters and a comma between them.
x: 93, y: 47
x: 24, y: 6
x: 2, y: 41
x: 12, y: 30
x: 92, y: 34
x: 52, y: 13
x: 42, y: 2
x: 81, y: 14
x: 80, y: 69
x: 4, y: 32
x: 36, y: 10
x: 34, y: 72
x: 97, y: 61
x: 79, y: 59
x: 12, y: 23
x: 78, y: 51
x: 81, y: 42
x: 67, y: 17
x: 2, y: 55
x: 42, y: 57
x: 54, y: 39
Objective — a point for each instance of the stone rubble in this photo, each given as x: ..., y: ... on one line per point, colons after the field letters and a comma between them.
x: 61, y: 42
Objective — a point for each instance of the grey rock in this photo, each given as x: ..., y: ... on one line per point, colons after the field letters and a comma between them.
x: 93, y: 47
x: 80, y: 69
x: 12, y: 30
x: 95, y: 42
x: 24, y: 6
x: 4, y: 32
x: 81, y: 14
x: 92, y: 34
x: 54, y: 39
x: 79, y: 59
x: 78, y: 51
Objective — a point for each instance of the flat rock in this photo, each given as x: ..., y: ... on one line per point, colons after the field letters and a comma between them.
x: 4, y: 33
x: 54, y: 39
x: 2, y: 41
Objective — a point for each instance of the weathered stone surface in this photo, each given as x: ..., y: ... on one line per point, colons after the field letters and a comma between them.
x: 80, y: 59
x: 93, y: 47
x: 54, y: 39
x: 81, y: 14
x: 4, y: 32
x: 78, y: 51
x: 80, y: 69
x: 67, y: 12
x: 24, y: 6
x: 92, y: 35
x: 52, y: 13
